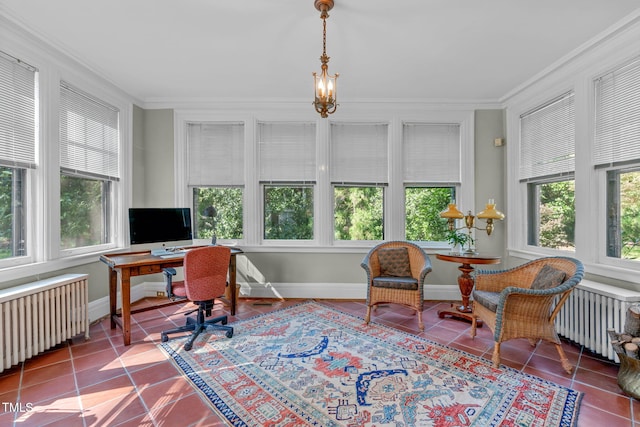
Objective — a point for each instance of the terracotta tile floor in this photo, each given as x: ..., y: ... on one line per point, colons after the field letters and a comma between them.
x: 102, y: 383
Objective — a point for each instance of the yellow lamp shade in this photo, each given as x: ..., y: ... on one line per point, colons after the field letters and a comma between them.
x: 452, y: 212
x: 490, y: 212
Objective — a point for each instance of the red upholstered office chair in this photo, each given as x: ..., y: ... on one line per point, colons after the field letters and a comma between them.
x: 205, y: 279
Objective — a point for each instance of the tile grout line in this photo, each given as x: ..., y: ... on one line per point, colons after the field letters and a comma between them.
x: 75, y: 380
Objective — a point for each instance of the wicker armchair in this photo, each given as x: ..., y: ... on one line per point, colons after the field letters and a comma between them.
x: 395, y: 274
x: 523, y: 302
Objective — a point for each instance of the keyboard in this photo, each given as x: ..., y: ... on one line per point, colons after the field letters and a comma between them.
x: 176, y: 254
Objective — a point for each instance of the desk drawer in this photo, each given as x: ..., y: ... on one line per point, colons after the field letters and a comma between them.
x: 147, y: 269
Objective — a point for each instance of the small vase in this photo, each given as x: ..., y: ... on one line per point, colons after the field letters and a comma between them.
x: 629, y: 375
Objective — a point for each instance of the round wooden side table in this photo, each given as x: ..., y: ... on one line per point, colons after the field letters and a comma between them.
x: 465, y: 282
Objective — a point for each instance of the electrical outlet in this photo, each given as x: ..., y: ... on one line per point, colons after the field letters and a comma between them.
x: 160, y: 294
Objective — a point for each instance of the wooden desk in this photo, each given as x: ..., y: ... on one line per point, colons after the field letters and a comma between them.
x: 465, y: 282
x: 140, y: 263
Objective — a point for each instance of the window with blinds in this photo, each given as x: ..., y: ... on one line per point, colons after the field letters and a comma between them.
x: 18, y: 113
x: 617, y: 116
x: 431, y: 153
x: 359, y: 153
x: 359, y: 172
x: 18, y: 138
x: 89, y: 169
x: 431, y: 174
x: 617, y: 148
x: 89, y: 139
x: 287, y: 172
x: 216, y: 168
x: 287, y: 152
x: 547, y: 139
x: 215, y: 154
x: 547, y: 164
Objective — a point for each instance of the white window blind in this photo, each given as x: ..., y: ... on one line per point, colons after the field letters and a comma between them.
x: 89, y: 141
x: 287, y: 151
x: 431, y: 153
x: 216, y: 154
x: 359, y: 153
x: 547, y: 139
x: 617, y: 116
x: 18, y: 113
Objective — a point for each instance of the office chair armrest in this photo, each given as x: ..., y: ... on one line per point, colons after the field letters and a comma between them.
x: 170, y: 271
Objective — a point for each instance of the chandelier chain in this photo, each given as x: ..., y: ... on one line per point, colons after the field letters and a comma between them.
x: 324, y: 36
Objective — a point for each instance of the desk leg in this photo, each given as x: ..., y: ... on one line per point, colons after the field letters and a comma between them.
x: 465, y: 283
x: 126, y: 305
x: 113, y: 295
x: 232, y: 284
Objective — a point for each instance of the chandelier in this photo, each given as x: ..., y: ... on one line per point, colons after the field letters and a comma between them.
x: 325, y: 88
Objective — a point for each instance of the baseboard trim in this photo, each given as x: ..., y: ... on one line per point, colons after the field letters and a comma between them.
x: 100, y: 307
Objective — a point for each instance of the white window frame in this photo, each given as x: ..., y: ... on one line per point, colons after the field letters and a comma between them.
x: 552, y: 171
x: 115, y: 201
x: 517, y: 189
x: 43, y: 189
x: 31, y: 172
x: 323, y: 191
x: 420, y: 180
x: 577, y: 73
x: 382, y: 181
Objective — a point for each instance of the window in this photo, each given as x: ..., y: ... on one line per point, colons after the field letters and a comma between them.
x: 18, y: 132
x: 359, y: 174
x: 84, y: 211
x: 288, y: 212
x: 287, y: 174
x: 547, y: 163
x: 431, y: 174
x: 217, y: 212
x: 422, y: 212
x: 617, y: 150
x: 216, y: 179
x: 552, y: 214
x: 358, y: 213
x: 321, y: 183
x: 623, y: 220
x: 89, y: 169
x: 12, y: 201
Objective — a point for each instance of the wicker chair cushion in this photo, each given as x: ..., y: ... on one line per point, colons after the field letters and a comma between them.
x: 548, y: 278
x: 394, y: 262
x: 487, y: 299
x: 392, y: 282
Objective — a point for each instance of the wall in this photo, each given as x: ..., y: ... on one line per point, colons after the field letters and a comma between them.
x: 299, y: 269
x: 332, y: 274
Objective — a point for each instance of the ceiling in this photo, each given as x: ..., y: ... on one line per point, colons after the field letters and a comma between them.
x: 423, y: 50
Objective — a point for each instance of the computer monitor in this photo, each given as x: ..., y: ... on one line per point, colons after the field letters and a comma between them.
x: 160, y: 226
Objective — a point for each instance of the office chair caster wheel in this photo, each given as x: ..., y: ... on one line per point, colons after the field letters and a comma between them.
x: 164, y: 338
x: 229, y: 334
x: 224, y: 321
x: 187, y: 346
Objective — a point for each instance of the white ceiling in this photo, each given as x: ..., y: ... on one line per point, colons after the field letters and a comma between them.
x: 437, y: 50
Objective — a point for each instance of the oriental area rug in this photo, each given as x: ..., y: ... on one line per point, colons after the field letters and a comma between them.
x: 310, y: 365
